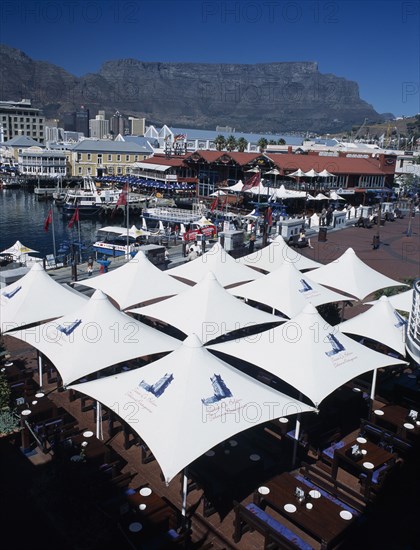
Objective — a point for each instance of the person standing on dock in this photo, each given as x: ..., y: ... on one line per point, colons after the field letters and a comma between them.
x: 90, y: 266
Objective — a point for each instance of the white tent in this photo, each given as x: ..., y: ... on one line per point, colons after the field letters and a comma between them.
x: 311, y: 173
x: 283, y: 193
x: 18, y: 250
x: 381, y: 323
x: 325, y: 174
x: 188, y: 402
x: 320, y: 197
x: 210, y: 311
x: 34, y: 298
x: 275, y: 255
x: 402, y: 301
x: 217, y: 260
x: 94, y: 337
x: 350, y: 274
x: 287, y: 290
x: 260, y: 189
x: 309, y: 354
x: 297, y: 174
x: 136, y: 282
x: 335, y: 197
x: 237, y: 188
x: 218, y: 193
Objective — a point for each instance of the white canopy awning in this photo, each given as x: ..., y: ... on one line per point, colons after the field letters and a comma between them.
x: 297, y: 290
x: 325, y: 174
x: 307, y: 353
x: 311, y: 173
x: 402, y: 301
x: 18, y: 250
x: 381, y: 323
x: 275, y: 255
x: 136, y: 282
x: 188, y: 402
x: 94, y: 337
x: 283, y: 193
x: 335, y: 197
x: 297, y: 174
x: 237, y: 188
x: 210, y: 311
x: 226, y: 269
x: 259, y: 190
x: 218, y: 193
x: 350, y: 274
x: 34, y: 298
x: 320, y: 197
x: 150, y: 166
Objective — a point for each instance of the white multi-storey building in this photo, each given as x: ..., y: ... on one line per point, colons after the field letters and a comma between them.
x: 19, y: 118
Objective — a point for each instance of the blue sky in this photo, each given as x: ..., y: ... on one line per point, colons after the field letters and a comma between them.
x: 377, y: 44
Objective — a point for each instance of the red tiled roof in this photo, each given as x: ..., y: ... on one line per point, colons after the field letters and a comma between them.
x: 212, y: 156
x: 335, y: 165
x: 165, y: 161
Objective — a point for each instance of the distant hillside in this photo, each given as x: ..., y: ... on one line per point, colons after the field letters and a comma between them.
x: 271, y: 97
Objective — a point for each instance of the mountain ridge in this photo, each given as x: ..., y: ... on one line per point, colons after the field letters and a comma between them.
x: 262, y: 97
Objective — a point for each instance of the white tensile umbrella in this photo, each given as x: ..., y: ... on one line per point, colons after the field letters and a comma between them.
x: 325, y: 174
x: 259, y: 190
x: 297, y: 174
x: 312, y: 356
x: 94, y: 337
x: 350, y: 274
x: 381, y: 323
x: 218, y: 193
x: 208, y: 311
x: 275, y: 255
x: 34, y: 298
x: 188, y: 402
x: 136, y: 282
x: 320, y: 197
x: 297, y: 290
x: 311, y: 173
x: 18, y: 250
x: 227, y: 270
x: 237, y: 188
x: 402, y: 301
x: 283, y: 193
x: 335, y: 197
x: 314, y: 220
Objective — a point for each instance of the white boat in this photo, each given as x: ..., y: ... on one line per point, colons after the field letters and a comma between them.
x: 90, y: 200
x: 112, y: 240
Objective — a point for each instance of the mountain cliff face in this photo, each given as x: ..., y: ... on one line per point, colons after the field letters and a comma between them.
x: 269, y: 97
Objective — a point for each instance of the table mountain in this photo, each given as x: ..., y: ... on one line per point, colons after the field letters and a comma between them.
x: 266, y: 97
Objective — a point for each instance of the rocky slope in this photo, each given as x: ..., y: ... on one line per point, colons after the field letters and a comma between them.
x: 269, y: 97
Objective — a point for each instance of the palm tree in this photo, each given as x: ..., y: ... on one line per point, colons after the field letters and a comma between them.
x: 231, y: 143
x: 272, y: 142
x: 242, y: 144
x: 262, y: 144
x: 220, y: 142
x: 281, y: 141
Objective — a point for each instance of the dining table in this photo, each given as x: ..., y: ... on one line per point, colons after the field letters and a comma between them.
x: 318, y: 514
x: 370, y: 458
x: 398, y: 419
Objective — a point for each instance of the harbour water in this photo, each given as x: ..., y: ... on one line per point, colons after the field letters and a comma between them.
x: 22, y: 217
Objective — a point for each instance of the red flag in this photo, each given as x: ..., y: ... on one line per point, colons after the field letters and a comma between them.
x: 122, y: 199
x: 48, y: 220
x: 253, y: 181
x: 269, y: 216
x: 214, y: 204
x: 74, y: 218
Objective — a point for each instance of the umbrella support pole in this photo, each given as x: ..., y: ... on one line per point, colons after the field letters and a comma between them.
x: 296, y: 442
x: 184, y: 498
x: 40, y: 369
x: 99, y: 434
x: 373, y: 389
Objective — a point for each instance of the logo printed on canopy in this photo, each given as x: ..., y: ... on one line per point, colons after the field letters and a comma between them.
x: 10, y: 295
x: 400, y: 320
x: 70, y: 328
x: 221, y: 391
x: 157, y: 389
x: 306, y: 287
x: 337, y: 346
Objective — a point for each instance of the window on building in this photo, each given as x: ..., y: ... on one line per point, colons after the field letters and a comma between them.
x: 118, y: 158
x: 109, y: 158
x: 89, y: 170
x: 136, y: 158
x: 99, y: 159
x: 79, y: 156
x: 89, y: 156
x: 127, y: 158
x: 119, y: 170
x: 80, y: 170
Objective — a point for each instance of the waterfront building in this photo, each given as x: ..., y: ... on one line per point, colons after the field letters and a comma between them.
x: 103, y: 157
x: 19, y: 118
x: 137, y: 126
x: 34, y: 161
